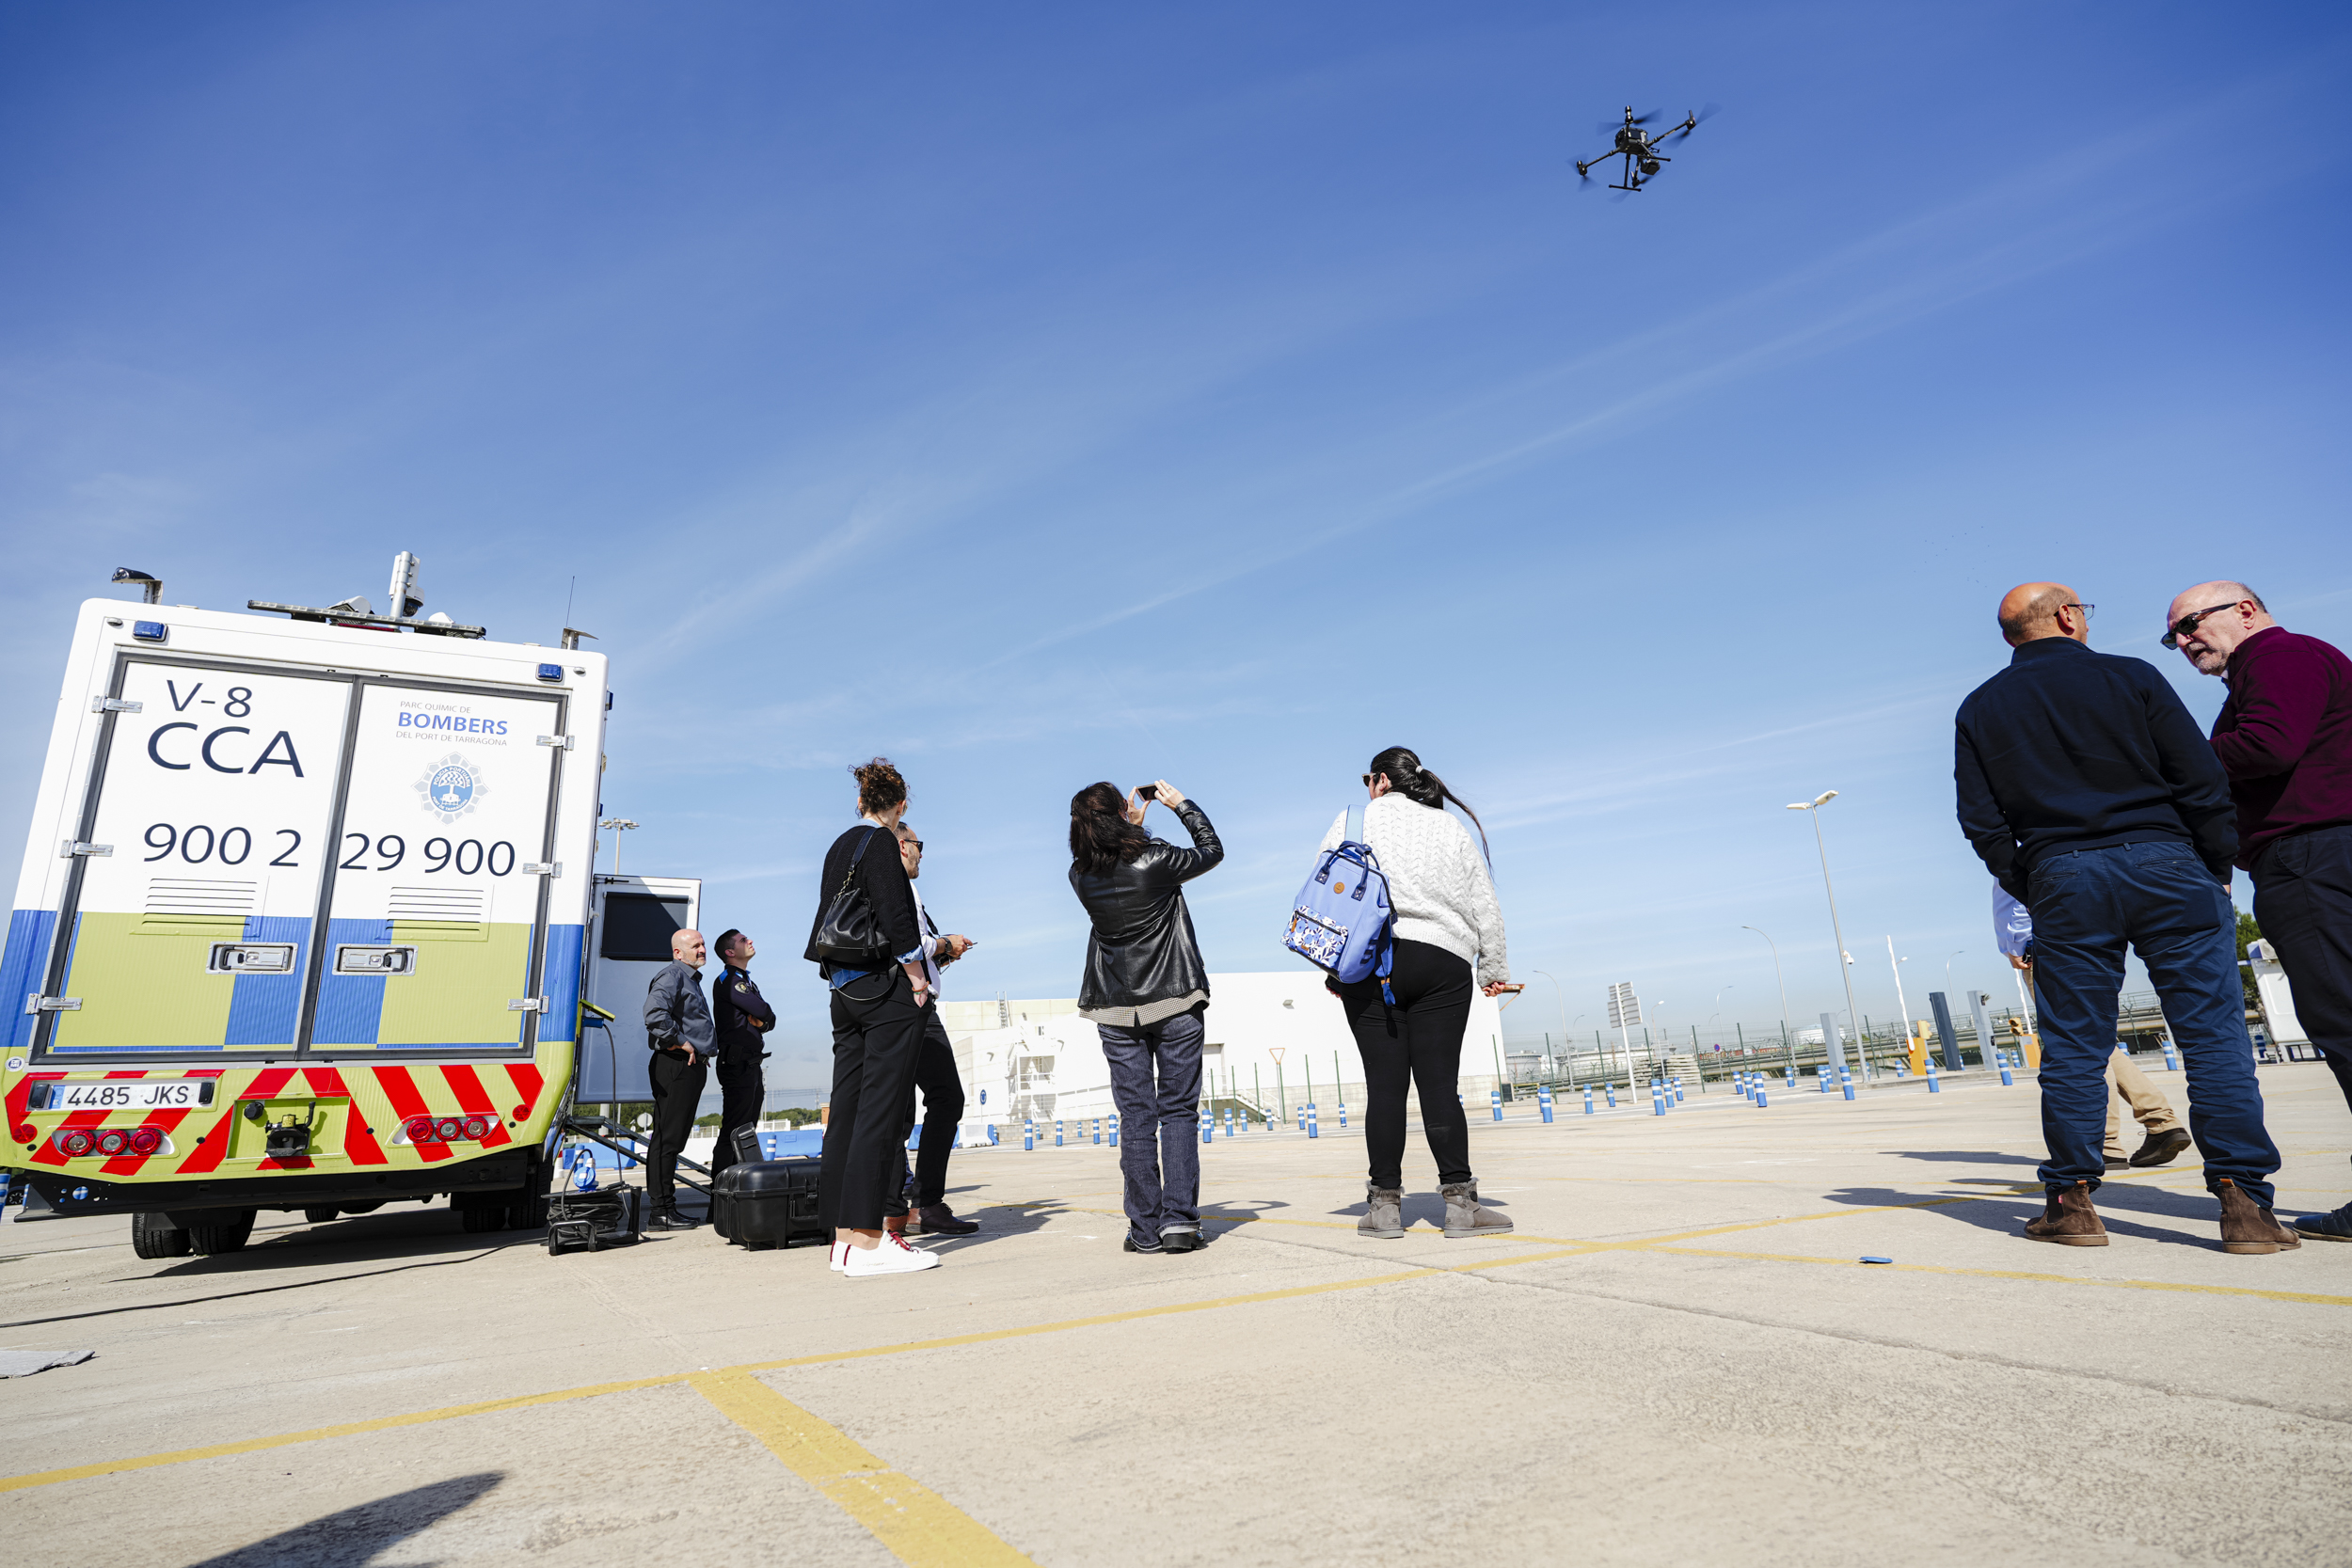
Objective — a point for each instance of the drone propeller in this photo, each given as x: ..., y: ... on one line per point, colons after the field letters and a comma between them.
x: 1695, y: 119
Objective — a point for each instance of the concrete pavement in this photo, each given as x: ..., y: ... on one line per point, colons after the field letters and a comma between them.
x: 1676, y: 1359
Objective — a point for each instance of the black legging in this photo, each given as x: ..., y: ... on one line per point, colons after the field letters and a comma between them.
x: 1419, y: 1039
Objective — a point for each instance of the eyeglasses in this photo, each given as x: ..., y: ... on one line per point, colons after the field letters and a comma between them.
x: 2087, y: 609
x: 914, y: 844
x: 2189, y: 623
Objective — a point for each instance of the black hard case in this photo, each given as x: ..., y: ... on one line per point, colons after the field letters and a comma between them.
x: 767, y: 1203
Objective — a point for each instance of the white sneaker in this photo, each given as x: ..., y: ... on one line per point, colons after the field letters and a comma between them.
x: 890, y: 1255
x: 836, y: 1256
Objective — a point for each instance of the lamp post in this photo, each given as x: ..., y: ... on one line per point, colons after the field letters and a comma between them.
x: 1845, y: 964
x: 1784, y: 1043
x: 1561, y: 992
x: 619, y: 826
x: 1897, y: 965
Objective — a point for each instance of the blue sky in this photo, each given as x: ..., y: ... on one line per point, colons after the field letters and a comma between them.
x: 1038, y: 395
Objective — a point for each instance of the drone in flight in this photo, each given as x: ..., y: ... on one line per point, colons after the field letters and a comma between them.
x: 1638, y: 148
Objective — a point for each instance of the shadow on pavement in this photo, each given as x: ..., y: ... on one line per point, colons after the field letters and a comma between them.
x: 358, y: 1534
x: 2007, y: 1213
x: 1964, y: 1156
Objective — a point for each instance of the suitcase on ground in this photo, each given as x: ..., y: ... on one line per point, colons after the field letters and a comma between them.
x: 767, y: 1203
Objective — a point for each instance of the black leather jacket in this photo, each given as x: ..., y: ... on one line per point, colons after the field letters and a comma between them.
x: 1142, y: 948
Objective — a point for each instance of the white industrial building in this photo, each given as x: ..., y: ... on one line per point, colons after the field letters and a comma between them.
x: 1275, y: 1042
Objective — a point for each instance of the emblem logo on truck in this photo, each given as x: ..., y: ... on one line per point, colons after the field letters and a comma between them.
x: 451, y: 787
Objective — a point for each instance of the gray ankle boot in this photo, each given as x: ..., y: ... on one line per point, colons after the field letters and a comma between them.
x: 1464, y: 1217
x: 1384, y: 1212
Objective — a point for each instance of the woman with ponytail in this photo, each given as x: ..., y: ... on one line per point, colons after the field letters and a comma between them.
x: 1447, y: 919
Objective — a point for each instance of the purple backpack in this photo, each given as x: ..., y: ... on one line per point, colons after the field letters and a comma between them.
x: 1341, y: 920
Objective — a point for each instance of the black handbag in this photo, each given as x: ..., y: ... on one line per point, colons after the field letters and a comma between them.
x: 850, y: 934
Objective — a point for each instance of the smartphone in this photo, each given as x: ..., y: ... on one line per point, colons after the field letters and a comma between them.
x: 1147, y: 792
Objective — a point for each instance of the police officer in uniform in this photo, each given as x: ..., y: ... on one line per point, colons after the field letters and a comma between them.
x: 742, y: 1018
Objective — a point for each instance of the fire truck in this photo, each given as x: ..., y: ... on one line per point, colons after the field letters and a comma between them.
x: 302, y: 919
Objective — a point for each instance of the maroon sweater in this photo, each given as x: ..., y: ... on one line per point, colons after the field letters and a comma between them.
x: 2286, y: 737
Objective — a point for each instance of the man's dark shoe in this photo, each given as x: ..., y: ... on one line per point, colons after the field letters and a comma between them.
x: 2117, y: 1162
x: 2335, y: 1226
x: 2069, y: 1220
x: 2163, y: 1148
x: 670, y: 1219
x: 1128, y: 1244
x: 2247, y: 1227
x: 937, y: 1219
x: 1181, y: 1241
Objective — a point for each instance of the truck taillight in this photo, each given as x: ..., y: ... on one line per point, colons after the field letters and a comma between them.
x: 145, y: 1140
x: 421, y: 1131
x: 113, y: 1141
x: 477, y: 1127
x: 73, y: 1143
x: 449, y: 1129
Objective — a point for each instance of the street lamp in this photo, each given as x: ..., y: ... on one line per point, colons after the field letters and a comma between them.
x: 1787, y: 1044
x: 619, y: 826
x: 1562, y: 992
x: 1897, y: 965
x: 1845, y: 964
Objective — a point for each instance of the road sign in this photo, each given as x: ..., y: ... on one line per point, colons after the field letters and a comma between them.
x: 1625, y: 1008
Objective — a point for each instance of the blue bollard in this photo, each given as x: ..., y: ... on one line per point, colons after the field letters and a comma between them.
x: 1114, y: 1128
x: 2007, y: 1082
x: 1761, y: 1100
x: 1229, y: 1121
x: 1588, y: 1100
x: 1845, y: 1084
x: 1312, y: 1130
x: 1342, y: 1116
x: 1057, y: 1127
x: 1302, y: 1118
x: 1028, y: 1135
x: 1676, y: 1084
x: 1543, y: 1104
x: 1657, y: 1098
x: 1495, y: 1098
x: 1823, y: 1076
x: 1611, y: 1090
x: 2171, y: 1062
x: 1934, y: 1087
x: 1208, y: 1127
x: 1098, y: 1131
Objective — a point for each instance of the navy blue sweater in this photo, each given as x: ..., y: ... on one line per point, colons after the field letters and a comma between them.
x: 2068, y: 749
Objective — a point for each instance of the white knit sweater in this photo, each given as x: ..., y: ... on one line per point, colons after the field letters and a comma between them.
x: 1438, y: 880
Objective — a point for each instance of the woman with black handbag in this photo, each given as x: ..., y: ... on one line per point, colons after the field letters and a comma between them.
x: 866, y: 944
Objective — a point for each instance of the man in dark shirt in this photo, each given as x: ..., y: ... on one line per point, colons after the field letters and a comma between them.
x: 2285, y: 737
x: 677, y: 1028
x: 740, y: 1017
x: 2089, y: 793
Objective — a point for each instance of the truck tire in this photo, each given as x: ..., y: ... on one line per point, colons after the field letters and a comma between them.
x: 480, y: 1220
x: 153, y: 1235
x: 527, y: 1213
x: 209, y: 1240
x: 320, y: 1216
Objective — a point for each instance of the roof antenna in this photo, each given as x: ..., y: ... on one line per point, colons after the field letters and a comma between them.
x: 573, y: 634
x: 152, y: 586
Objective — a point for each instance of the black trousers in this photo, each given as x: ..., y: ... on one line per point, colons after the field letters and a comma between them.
x: 942, y: 1109
x: 877, y: 1036
x: 2303, y: 901
x: 742, y: 1087
x: 678, y: 1089
x: 1419, y: 1041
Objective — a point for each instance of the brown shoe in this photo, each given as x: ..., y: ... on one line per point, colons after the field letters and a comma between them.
x: 2247, y: 1227
x: 2069, y: 1220
x: 2162, y: 1149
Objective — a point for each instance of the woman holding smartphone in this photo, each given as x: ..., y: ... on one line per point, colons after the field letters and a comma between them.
x: 1146, y: 991
x: 1447, y: 920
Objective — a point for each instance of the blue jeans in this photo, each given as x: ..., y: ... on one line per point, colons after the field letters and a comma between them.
x: 1155, y: 1083
x: 2159, y: 900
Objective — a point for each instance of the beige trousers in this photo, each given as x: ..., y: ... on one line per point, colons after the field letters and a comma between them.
x: 2149, y: 1108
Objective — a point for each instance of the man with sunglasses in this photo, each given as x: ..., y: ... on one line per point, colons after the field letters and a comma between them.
x: 2093, y: 799
x: 2285, y: 739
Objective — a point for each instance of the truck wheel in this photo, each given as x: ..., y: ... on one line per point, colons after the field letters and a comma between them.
x: 479, y: 1220
x: 527, y: 1213
x: 361, y: 1208
x: 152, y: 1235
x: 209, y: 1240
x: 320, y: 1216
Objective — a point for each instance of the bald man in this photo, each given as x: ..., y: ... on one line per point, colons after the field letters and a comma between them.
x: 679, y: 1029
x: 2285, y: 739
x: 2092, y: 797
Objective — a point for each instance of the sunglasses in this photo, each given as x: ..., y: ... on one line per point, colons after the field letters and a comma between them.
x: 2189, y: 623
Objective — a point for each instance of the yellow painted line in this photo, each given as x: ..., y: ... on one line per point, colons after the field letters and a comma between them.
x: 921, y: 1528
x: 2305, y: 1297
x: 349, y: 1429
